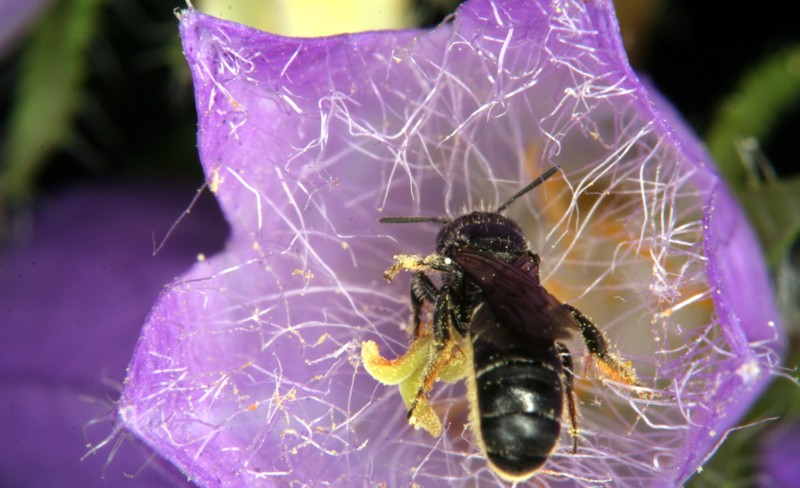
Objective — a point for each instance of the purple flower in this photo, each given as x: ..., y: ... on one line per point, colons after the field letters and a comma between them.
x: 779, y: 451
x: 16, y: 18
x: 248, y: 370
x: 73, y: 293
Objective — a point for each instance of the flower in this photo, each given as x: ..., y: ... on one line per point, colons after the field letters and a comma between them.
x: 16, y: 19
x: 73, y: 295
x: 248, y: 370
x: 778, y: 453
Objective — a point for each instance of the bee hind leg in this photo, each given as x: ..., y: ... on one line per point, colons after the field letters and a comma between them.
x: 567, y: 378
x: 597, y: 345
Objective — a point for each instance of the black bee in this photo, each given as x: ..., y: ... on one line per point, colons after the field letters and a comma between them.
x: 521, y: 372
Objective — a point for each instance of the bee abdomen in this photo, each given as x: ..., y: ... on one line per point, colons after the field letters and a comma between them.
x: 520, y: 403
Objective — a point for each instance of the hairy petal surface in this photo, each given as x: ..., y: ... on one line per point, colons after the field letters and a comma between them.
x: 73, y: 293
x: 779, y: 450
x: 248, y: 369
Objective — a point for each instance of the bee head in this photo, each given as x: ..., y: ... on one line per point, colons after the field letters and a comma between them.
x: 487, y: 232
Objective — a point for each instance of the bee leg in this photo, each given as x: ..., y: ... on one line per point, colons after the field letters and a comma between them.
x: 594, y: 338
x: 422, y: 288
x: 566, y: 364
x: 441, y: 342
x: 460, y: 314
x: 597, y: 344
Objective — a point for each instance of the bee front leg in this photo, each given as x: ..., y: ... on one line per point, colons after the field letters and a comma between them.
x: 422, y: 289
x: 442, y: 347
x: 415, y: 262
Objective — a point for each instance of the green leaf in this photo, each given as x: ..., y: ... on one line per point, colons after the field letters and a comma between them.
x: 764, y: 95
x: 774, y: 211
x: 48, y: 95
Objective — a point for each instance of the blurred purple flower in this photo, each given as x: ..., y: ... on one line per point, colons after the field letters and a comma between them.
x: 16, y: 18
x: 779, y: 452
x: 248, y: 369
x: 73, y: 296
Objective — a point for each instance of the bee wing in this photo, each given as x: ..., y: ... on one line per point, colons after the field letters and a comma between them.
x: 516, y: 297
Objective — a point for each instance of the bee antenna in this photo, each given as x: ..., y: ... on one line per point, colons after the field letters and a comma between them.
x: 414, y: 220
x: 530, y: 186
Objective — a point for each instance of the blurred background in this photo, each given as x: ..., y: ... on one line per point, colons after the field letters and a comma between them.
x: 96, y: 99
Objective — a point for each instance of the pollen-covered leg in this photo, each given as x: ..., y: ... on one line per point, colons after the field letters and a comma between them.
x: 422, y: 289
x: 442, y: 348
x: 609, y: 365
x: 415, y: 262
x: 566, y: 365
x: 415, y: 372
x: 449, y: 366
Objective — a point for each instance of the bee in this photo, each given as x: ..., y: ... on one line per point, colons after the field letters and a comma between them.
x: 495, y: 324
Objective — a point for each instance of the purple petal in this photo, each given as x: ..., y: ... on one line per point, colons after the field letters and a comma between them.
x: 16, y: 18
x: 248, y: 369
x: 780, y: 450
x: 73, y: 296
